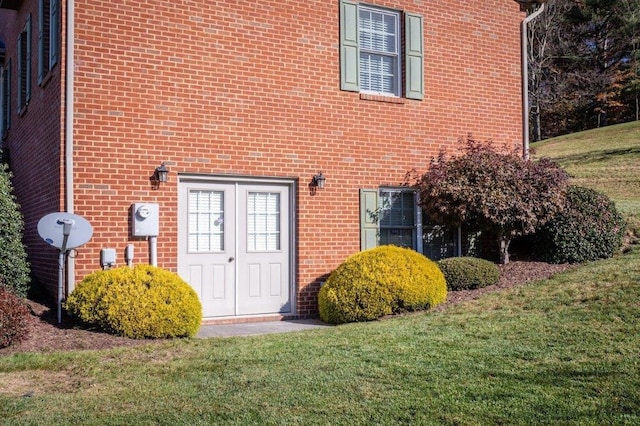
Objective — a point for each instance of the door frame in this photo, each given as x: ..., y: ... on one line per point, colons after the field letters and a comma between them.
x: 292, y: 183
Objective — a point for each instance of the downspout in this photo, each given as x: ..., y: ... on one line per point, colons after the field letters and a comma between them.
x: 68, y: 139
x: 525, y: 80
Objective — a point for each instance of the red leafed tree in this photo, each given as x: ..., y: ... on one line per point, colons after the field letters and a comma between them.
x: 494, y: 190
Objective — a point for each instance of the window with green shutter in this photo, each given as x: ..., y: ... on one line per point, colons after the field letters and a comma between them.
x: 5, y: 99
x: 371, y: 59
x: 48, y: 37
x: 393, y: 216
x: 24, y: 66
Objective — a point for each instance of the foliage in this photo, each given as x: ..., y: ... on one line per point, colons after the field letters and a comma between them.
x: 588, y: 228
x: 498, y: 192
x: 381, y: 281
x: 14, y: 269
x: 584, y: 65
x: 139, y: 302
x: 466, y: 273
x: 14, y: 318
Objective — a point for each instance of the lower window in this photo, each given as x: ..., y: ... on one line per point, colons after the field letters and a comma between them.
x: 393, y: 216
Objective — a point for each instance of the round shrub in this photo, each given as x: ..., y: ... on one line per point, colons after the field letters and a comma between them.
x: 588, y: 228
x: 14, y: 268
x: 381, y: 281
x: 466, y: 273
x: 14, y: 318
x: 139, y: 302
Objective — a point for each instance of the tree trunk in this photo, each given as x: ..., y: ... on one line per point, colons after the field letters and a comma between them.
x: 537, y: 132
x: 504, y: 242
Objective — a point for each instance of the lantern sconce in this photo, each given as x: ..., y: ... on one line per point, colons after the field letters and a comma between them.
x: 318, y: 181
x: 160, y: 175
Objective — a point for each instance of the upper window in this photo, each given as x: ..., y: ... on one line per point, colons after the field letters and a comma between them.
x: 379, y: 51
x: 5, y: 99
x: 373, y: 58
x: 48, y: 37
x: 24, y: 66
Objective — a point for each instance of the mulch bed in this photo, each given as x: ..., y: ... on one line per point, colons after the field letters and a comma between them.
x: 46, y: 335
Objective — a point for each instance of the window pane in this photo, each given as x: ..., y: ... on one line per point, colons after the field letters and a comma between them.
x: 379, y: 61
x: 397, y: 218
x: 263, y: 221
x: 397, y: 208
x: 439, y: 242
x: 206, y: 221
x: 397, y: 237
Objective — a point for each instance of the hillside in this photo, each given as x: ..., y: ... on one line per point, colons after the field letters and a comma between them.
x: 605, y: 159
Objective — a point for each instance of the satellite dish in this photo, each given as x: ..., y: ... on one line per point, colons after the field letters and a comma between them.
x: 52, y: 229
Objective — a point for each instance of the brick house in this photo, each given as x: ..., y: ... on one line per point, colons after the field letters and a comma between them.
x: 245, y: 104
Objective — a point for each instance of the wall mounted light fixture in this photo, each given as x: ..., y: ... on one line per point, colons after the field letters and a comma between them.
x: 161, y: 173
x: 318, y: 181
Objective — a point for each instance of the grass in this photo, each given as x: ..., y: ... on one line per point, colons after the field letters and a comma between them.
x: 605, y: 159
x: 560, y: 351
x: 557, y: 351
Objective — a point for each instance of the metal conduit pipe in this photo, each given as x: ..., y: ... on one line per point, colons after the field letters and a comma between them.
x: 68, y: 131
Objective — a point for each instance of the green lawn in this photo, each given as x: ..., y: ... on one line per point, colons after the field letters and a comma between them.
x: 605, y: 159
x: 562, y: 351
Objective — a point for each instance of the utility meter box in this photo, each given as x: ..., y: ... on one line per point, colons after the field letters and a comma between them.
x: 145, y: 220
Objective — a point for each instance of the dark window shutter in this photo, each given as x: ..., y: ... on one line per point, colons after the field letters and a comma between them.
x: 54, y: 33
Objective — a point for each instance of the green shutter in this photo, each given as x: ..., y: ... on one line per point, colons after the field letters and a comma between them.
x: 54, y: 31
x: 414, y: 57
x: 41, y: 48
x: 6, y: 93
x: 368, y: 218
x: 20, y: 80
x: 28, y: 67
x: 349, y: 51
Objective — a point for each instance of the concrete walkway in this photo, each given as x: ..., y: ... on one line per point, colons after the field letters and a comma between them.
x: 257, y: 328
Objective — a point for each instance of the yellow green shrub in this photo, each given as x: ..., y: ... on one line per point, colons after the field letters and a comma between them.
x: 139, y: 302
x: 381, y: 281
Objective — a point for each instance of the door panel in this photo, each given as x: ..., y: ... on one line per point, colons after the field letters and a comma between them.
x: 263, y: 250
x: 207, y: 245
x: 234, y: 246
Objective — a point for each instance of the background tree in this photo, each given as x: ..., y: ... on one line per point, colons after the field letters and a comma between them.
x: 495, y: 191
x: 583, y: 65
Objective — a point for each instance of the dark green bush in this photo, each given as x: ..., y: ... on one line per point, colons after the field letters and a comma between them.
x: 378, y: 282
x: 466, y: 273
x: 140, y: 302
x: 14, y: 269
x: 14, y: 318
x: 588, y: 228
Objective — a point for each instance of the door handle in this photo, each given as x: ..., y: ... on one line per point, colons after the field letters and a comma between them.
x: 231, y: 259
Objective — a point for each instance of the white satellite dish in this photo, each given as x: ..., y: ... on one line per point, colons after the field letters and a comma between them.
x: 64, y: 231
x: 52, y: 230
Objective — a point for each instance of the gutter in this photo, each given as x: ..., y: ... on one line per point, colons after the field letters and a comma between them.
x: 525, y: 79
x: 68, y: 137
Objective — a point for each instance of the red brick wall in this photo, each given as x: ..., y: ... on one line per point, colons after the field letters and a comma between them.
x: 252, y: 88
x: 34, y: 142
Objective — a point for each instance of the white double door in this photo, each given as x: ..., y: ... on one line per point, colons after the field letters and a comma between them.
x: 234, y: 246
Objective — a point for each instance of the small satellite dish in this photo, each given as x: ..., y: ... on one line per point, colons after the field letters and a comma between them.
x: 52, y: 228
